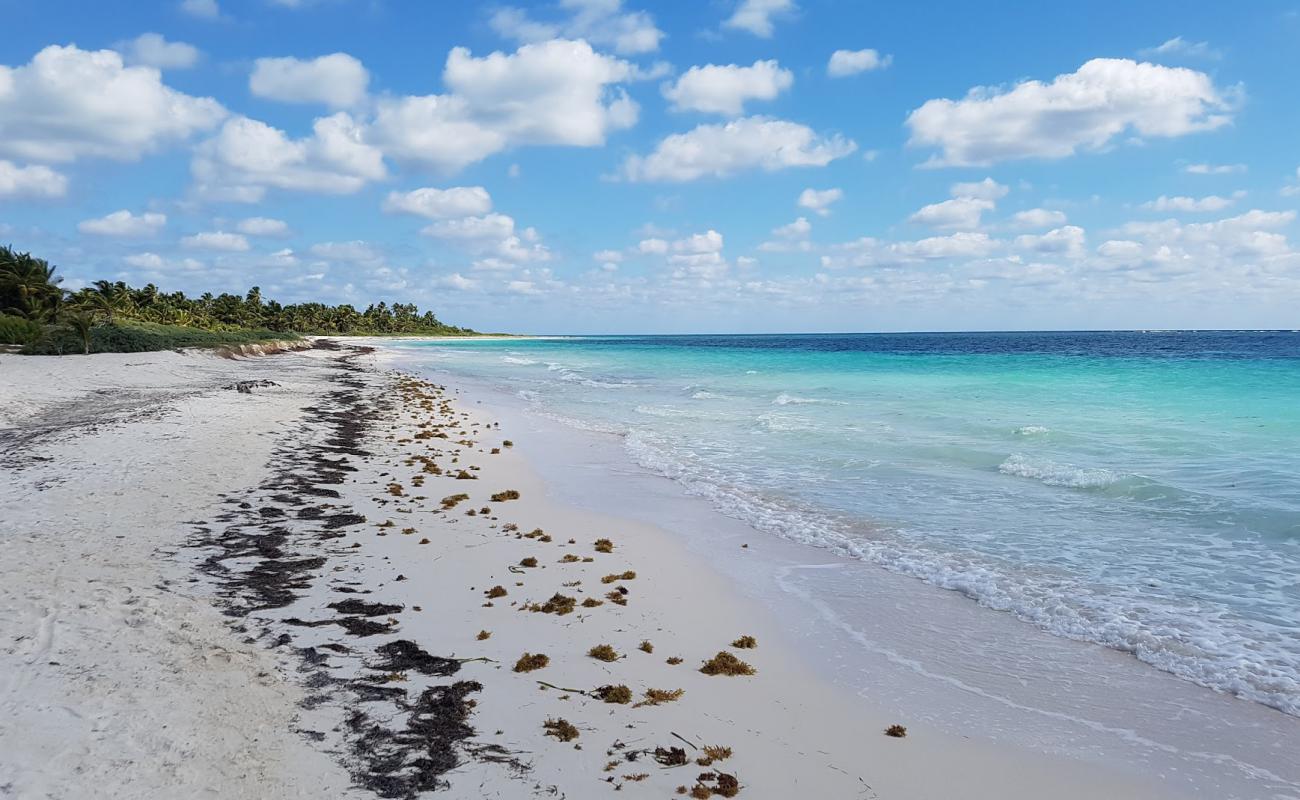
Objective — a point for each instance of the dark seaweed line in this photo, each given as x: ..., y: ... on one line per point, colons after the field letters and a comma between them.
x: 278, y: 539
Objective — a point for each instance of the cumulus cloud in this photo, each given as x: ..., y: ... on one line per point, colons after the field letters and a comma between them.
x: 217, y: 240
x: 1208, y: 203
x: 124, y: 223
x: 602, y: 22
x: 69, y: 103
x: 1214, y: 169
x: 960, y: 212
x: 1084, y: 110
x: 819, y: 201
x: 551, y: 93
x: 493, y: 237
x: 724, y: 89
x: 652, y: 246
x: 966, y: 208
x: 152, y: 50
x: 756, y: 16
x: 1067, y: 241
x: 458, y: 201
x: 31, y: 181
x: 844, y: 63
x: 798, y: 229
x: 247, y: 157
x: 263, y: 226
x: 720, y: 150
x: 1037, y: 218
x: 337, y: 80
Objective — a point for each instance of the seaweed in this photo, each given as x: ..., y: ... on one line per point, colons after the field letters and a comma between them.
x: 896, y: 731
x: 619, y: 694
x: 561, y: 729
x: 725, y: 663
x: 654, y: 697
x: 531, y: 661
x: 508, y: 494
x: 559, y: 604
x: 603, y: 652
x: 496, y: 591
x: 645, y: 646
x: 604, y: 546
x: 745, y: 643
x: 621, y: 576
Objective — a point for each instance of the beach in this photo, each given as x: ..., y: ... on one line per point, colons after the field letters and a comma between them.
x: 332, y: 573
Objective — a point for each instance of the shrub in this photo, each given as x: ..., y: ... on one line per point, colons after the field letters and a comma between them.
x: 16, y: 330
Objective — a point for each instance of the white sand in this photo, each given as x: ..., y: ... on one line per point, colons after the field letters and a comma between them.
x: 120, y: 679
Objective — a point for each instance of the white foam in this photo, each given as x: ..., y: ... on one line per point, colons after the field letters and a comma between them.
x: 1032, y: 430
x: 517, y: 360
x: 784, y: 399
x: 1054, y: 474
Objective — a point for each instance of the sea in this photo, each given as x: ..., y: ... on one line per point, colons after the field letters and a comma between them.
x: 1139, y: 490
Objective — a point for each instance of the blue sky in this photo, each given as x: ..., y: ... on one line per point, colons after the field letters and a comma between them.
x: 594, y: 166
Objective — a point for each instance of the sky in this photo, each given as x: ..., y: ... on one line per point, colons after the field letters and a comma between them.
x: 597, y: 166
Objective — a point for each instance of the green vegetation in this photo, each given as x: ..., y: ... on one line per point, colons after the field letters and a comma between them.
x: 37, y: 313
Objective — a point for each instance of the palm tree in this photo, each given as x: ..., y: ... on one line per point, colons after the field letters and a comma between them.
x: 28, y: 285
x: 81, y: 323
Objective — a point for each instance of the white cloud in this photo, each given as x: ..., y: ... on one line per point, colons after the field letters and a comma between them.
x: 1214, y: 169
x: 987, y: 189
x: 844, y: 63
x: 124, y: 223
x: 1083, y: 110
x: 723, y: 89
x: 550, y: 93
x: 457, y: 282
x: 355, y: 251
x: 155, y: 262
x: 608, y: 256
x: 958, y: 213
x: 653, y: 246
x: 492, y: 236
x: 217, y: 240
x: 69, y: 103
x: 1208, y: 203
x: 337, y: 80
x: 798, y: 229
x: 31, y: 181
x: 966, y: 208
x: 602, y: 22
x: 203, y: 9
x: 1037, y: 218
x: 152, y: 50
x: 263, y: 226
x: 720, y: 150
x: 458, y: 201
x: 819, y: 201
x: 708, y: 242
x: 756, y: 16
x: 1066, y: 241
x: 1178, y: 46
x: 247, y: 156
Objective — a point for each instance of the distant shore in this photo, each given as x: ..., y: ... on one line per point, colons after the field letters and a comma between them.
x: 321, y: 577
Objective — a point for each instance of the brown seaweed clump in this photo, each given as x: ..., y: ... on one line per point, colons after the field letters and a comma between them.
x: 484, y: 635
x: 713, y: 753
x: 528, y: 562
x: 896, y: 731
x: 725, y: 663
x: 724, y: 785
x: 617, y: 598
x: 745, y: 643
x: 569, y: 558
x: 619, y: 576
x: 561, y: 729
x: 654, y: 697
x: 451, y: 500
x: 603, y: 652
x: 531, y: 661
x: 508, y: 494
x: 604, y: 546
x: 592, y: 602
x: 674, y: 660
x: 614, y: 694
x: 559, y: 604
x: 497, y: 591
x: 645, y: 646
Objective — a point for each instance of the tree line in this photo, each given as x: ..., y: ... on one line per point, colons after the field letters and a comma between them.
x: 31, y: 290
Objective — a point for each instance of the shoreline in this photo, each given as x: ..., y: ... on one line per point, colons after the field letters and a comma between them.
x: 370, y: 636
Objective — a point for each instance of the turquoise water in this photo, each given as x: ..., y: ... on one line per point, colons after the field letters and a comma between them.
x: 1138, y: 490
